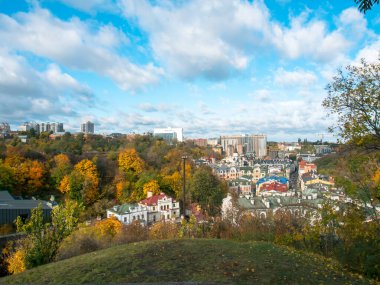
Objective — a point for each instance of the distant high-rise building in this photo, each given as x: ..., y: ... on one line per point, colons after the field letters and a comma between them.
x: 245, y: 144
x: 27, y: 126
x: 4, y: 128
x: 87, y: 128
x: 43, y: 127
x: 169, y: 134
x: 56, y: 127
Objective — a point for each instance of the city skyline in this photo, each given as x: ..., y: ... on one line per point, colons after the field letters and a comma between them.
x: 132, y: 66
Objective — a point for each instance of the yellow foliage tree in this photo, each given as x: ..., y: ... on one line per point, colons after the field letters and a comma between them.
x: 61, y: 160
x: 64, y: 186
x: 87, y: 168
x: 129, y: 161
x: 152, y: 186
x: 109, y: 227
x: 16, y: 262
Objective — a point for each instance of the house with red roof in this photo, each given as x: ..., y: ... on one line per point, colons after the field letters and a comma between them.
x: 160, y: 207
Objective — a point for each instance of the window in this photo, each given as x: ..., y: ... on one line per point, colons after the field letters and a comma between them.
x: 168, y: 216
x: 138, y: 217
x: 134, y: 218
x: 125, y: 219
x: 154, y: 218
x: 154, y: 208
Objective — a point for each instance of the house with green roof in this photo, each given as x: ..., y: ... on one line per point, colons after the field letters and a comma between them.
x: 128, y: 213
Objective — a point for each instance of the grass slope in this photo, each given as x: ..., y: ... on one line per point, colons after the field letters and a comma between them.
x: 201, y: 260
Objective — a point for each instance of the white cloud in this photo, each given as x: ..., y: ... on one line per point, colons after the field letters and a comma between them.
x: 370, y: 52
x: 353, y: 24
x: 294, y: 78
x: 202, y: 38
x: 76, y: 44
x: 310, y: 39
x: 29, y: 94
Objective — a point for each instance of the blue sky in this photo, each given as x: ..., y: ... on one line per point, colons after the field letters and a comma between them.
x: 211, y: 67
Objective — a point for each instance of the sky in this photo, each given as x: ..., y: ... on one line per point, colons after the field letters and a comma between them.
x: 210, y: 67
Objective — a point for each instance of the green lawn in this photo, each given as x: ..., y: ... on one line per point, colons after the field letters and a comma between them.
x: 202, y: 260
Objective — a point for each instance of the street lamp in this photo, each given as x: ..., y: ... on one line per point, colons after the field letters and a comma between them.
x: 184, y: 186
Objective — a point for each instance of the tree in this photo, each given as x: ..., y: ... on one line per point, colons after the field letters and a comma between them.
x: 62, y: 167
x: 207, y: 190
x: 130, y: 161
x: 82, y: 184
x: 43, y: 239
x: 354, y: 97
x: 152, y: 186
x: 6, y: 177
x: 365, y: 5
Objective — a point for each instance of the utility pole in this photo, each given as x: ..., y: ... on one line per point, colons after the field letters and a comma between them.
x: 184, y: 186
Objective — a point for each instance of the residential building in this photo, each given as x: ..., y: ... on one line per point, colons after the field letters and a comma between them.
x: 322, y: 149
x: 272, y: 183
x: 5, y: 128
x: 213, y: 141
x: 263, y: 206
x: 42, y: 127
x: 305, y: 167
x: 200, y: 142
x: 87, y: 128
x: 169, y: 134
x: 27, y: 126
x: 128, y: 213
x: 241, y: 186
x: 160, y: 207
x: 245, y: 144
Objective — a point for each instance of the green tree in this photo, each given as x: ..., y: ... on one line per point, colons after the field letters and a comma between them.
x: 354, y: 97
x: 6, y: 177
x: 207, y: 190
x: 43, y: 239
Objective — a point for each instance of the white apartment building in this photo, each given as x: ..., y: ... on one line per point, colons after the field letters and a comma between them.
x: 169, y: 134
x: 245, y: 144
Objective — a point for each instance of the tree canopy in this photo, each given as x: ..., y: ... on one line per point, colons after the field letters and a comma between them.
x: 354, y: 97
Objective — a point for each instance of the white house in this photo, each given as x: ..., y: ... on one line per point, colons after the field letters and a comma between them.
x: 160, y: 207
x: 128, y: 213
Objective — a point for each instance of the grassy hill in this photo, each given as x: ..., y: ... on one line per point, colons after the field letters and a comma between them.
x: 218, y: 261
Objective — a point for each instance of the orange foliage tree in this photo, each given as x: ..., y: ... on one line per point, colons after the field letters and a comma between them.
x: 62, y: 167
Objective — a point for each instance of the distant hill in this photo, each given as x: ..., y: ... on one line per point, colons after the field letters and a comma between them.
x: 217, y: 261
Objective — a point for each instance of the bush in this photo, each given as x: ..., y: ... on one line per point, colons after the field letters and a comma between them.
x: 164, y: 230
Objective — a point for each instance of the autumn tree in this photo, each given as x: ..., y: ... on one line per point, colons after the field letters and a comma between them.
x: 42, y: 238
x: 354, y: 98
x: 83, y: 182
x: 130, y: 162
x: 62, y: 167
x: 151, y: 186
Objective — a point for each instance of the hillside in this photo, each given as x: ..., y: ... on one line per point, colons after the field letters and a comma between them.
x: 216, y: 261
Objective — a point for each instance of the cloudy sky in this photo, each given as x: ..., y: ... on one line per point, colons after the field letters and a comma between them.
x: 211, y: 67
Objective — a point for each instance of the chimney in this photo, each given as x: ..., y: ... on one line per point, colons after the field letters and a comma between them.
x: 149, y: 194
